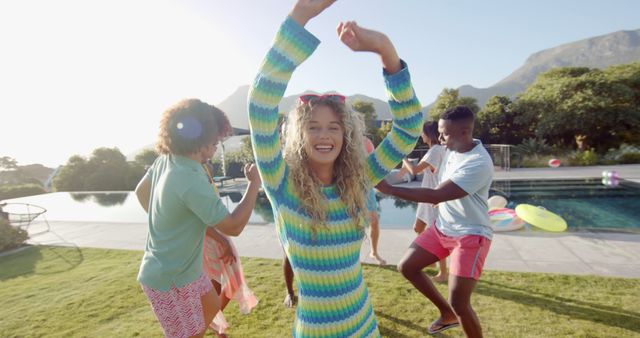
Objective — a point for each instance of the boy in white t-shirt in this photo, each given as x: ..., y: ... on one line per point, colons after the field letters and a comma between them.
x: 462, y: 229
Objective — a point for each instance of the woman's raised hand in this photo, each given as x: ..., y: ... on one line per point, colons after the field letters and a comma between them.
x: 305, y: 10
x: 361, y: 39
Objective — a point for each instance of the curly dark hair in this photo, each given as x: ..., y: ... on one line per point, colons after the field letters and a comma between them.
x: 190, y: 125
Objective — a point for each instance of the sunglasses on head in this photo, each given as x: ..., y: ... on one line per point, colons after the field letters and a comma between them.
x: 307, y: 98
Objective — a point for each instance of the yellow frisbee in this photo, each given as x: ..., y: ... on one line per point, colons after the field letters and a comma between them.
x: 541, y: 218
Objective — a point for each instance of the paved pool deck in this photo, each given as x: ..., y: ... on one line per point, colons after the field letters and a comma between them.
x: 580, y: 253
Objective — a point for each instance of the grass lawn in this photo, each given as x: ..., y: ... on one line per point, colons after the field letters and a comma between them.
x: 73, y: 292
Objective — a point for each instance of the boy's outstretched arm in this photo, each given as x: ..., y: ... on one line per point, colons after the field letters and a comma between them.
x: 446, y: 191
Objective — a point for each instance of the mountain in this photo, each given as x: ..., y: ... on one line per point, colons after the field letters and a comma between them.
x: 598, y: 52
x: 26, y: 174
x: 235, y: 106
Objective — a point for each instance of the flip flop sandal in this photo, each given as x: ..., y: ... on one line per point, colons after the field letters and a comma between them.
x: 436, y: 327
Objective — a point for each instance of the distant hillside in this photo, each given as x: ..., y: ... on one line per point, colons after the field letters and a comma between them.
x: 26, y: 172
x: 598, y: 52
x: 235, y: 106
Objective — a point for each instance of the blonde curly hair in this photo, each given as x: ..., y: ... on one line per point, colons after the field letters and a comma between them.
x: 348, y: 174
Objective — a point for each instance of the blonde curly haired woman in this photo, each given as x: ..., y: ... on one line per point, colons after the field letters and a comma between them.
x: 318, y: 183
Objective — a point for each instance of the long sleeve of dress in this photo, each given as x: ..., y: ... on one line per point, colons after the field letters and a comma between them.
x: 406, y: 127
x: 292, y: 45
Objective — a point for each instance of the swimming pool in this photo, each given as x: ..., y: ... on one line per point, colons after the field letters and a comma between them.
x: 586, y: 204
x: 118, y: 207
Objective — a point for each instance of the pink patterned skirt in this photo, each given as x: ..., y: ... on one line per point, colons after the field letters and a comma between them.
x: 231, y: 279
x: 179, y: 310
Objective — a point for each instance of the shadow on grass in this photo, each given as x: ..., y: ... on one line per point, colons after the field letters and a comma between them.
x: 41, y: 260
x: 597, y: 313
x: 388, y: 332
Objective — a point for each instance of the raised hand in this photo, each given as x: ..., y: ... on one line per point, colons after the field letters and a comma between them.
x: 360, y: 39
x: 251, y: 173
x: 305, y: 10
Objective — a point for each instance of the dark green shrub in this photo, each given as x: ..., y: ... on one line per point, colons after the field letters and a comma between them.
x: 15, y: 191
x: 533, y: 146
x: 10, y: 236
x: 625, y: 154
x: 630, y: 158
x: 583, y: 158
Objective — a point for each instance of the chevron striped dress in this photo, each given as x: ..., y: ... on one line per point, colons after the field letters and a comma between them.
x: 333, y: 299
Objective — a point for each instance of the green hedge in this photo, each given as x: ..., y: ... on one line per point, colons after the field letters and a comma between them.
x: 630, y: 158
x: 10, y: 236
x: 15, y: 191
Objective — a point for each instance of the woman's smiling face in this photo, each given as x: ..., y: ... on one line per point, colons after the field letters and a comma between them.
x: 324, y: 136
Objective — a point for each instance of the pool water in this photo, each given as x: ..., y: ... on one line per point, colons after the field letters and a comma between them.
x: 584, y: 204
x: 118, y: 207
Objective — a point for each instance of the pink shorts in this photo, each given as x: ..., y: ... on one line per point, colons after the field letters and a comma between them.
x: 467, y: 252
x: 179, y: 310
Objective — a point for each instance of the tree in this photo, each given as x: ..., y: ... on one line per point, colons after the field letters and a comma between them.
x: 385, y: 128
x: 469, y: 102
x: 145, y: 158
x: 595, y: 107
x: 450, y: 98
x: 109, y: 170
x: 106, y: 169
x: 11, y: 173
x: 72, y: 175
x: 447, y: 99
x: 496, y: 122
x: 368, y: 112
x: 8, y: 163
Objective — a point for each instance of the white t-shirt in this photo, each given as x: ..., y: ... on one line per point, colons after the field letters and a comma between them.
x: 426, y: 212
x: 472, y: 172
x: 433, y: 157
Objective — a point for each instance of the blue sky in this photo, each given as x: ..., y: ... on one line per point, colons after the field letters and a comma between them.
x: 76, y: 75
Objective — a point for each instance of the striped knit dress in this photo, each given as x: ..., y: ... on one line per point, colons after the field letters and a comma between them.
x: 333, y: 299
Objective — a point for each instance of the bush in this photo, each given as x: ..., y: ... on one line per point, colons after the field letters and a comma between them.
x: 533, y: 146
x: 10, y: 236
x: 625, y: 154
x: 630, y: 158
x: 583, y: 158
x: 15, y: 191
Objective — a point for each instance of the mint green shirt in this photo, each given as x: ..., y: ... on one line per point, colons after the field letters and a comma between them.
x: 181, y: 206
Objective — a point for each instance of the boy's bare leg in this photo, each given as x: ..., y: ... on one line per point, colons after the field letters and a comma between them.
x: 460, y: 290
x: 411, y: 265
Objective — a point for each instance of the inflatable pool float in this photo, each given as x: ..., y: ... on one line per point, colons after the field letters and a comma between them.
x: 496, y: 202
x: 541, y: 218
x: 504, y: 219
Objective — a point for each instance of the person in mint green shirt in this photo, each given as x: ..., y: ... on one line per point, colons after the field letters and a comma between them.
x: 182, y: 206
